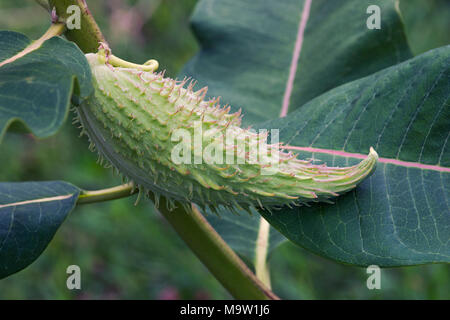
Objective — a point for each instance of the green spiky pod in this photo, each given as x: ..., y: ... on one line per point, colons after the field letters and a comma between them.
x: 139, y: 120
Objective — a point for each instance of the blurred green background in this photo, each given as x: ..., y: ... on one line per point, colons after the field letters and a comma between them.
x: 128, y: 252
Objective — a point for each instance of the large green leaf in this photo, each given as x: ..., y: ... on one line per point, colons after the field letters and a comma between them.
x: 30, y: 214
x: 251, y: 50
x: 36, y: 89
x: 400, y: 215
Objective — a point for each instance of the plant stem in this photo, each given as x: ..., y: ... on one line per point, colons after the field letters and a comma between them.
x: 150, y: 65
x: 217, y: 256
x: 121, y: 191
x: 203, y: 240
x: 89, y: 35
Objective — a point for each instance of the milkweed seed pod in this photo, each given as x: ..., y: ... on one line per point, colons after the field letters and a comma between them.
x: 171, y: 141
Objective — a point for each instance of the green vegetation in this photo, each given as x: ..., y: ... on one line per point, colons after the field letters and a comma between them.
x: 130, y: 252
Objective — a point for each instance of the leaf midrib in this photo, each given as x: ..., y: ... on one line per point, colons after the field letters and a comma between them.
x: 50, y: 199
x: 397, y: 162
x: 295, y: 57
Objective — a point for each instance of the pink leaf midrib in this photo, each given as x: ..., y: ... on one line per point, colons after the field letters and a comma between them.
x: 363, y: 156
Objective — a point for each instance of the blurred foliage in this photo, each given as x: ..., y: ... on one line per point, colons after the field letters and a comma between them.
x: 129, y: 252
x: 427, y: 23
